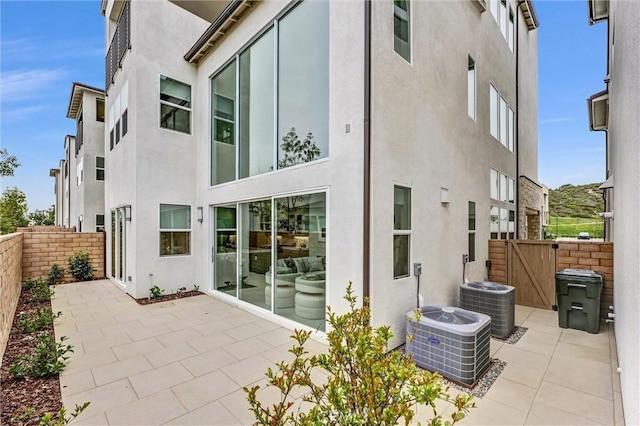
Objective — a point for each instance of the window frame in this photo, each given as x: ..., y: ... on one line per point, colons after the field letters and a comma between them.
x: 472, y: 228
x: 161, y: 102
x: 98, y: 102
x: 472, y: 94
x: 98, y: 169
x: 403, y: 15
x: 399, y: 232
x: 162, y: 231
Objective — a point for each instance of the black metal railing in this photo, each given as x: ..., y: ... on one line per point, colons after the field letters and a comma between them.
x: 120, y: 43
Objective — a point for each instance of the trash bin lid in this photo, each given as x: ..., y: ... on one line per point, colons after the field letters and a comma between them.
x: 586, y: 274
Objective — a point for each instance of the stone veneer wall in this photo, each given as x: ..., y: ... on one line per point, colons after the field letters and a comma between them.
x: 45, y: 245
x: 10, y: 283
x: 576, y: 255
x: 530, y: 199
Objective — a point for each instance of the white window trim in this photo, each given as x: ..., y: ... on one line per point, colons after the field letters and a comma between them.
x: 160, y: 101
x: 407, y: 232
x: 189, y: 230
x: 472, y: 104
x: 402, y: 14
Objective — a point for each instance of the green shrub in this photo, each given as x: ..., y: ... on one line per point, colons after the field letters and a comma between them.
x: 30, y: 283
x: 80, y: 266
x: 37, y: 321
x: 48, y: 359
x: 155, y: 292
x: 55, y: 274
x: 61, y: 417
x: 41, y: 292
x: 365, y: 384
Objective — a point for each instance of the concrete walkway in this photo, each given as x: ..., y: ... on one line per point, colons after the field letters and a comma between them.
x: 185, y: 362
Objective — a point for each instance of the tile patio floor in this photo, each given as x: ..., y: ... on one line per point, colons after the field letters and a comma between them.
x: 185, y: 362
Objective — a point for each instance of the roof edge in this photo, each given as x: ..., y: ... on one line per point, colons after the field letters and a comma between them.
x: 204, y: 39
x: 528, y: 9
x: 76, y: 91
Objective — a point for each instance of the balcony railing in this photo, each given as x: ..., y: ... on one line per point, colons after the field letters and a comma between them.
x: 120, y: 43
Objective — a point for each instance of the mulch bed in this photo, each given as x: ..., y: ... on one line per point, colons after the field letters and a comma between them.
x: 24, y: 401
x: 167, y: 297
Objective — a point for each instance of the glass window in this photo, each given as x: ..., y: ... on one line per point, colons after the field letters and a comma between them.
x: 99, y: 223
x: 494, y: 182
x: 503, y: 121
x: 510, y: 30
x: 99, y: 168
x: 493, y: 7
x: 503, y: 18
x: 493, y: 108
x: 225, y: 259
x: 512, y: 191
x: 223, y: 149
x: 402, y: 28
x: 504, y: 221
x: 494, y: 225
x: 402, y: 231
x: 175, y: 105
x: 257, y: 107
x: 512, y: 131
x: 100, y: 110
x: 175, y: 229
x: 503, y: 188
x: 471, y: 88
x: 512, y: 224
x: 303, y: 84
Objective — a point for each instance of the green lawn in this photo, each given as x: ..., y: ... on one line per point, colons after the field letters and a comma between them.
x: 571, y: 226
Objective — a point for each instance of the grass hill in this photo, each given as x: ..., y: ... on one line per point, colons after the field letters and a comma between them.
x: 584, y: 201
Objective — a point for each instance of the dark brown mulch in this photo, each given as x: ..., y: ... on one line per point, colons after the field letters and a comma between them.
x: 167, y: 297
x: 24, y: 401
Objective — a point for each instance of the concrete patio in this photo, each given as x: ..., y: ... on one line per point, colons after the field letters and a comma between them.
x: 185, y: 362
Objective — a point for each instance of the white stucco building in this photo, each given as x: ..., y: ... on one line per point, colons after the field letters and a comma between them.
x: 79, y: 181
x: 616, y: 110
x: 270, y: 152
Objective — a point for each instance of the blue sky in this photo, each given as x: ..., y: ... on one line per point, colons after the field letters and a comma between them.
x: 41, y: 57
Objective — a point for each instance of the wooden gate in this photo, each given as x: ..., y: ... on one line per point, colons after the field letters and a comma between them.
x: 531, y: 268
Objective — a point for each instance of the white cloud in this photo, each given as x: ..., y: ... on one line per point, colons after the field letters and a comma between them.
x: 555, y: 120
x: 27, y: 84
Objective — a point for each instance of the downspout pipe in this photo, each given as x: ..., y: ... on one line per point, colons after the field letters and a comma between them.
x: 517, y: 141
x: 366, y: 207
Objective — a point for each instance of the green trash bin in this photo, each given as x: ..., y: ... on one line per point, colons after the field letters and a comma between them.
x: 578, y: 295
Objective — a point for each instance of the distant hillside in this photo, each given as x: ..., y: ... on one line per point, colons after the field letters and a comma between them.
x: 576, y: 201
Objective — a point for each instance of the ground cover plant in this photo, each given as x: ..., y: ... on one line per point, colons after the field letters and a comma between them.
x: 156, y: 294
x: 33, y: 359
x: 365, y: 384
x: 80, y: 266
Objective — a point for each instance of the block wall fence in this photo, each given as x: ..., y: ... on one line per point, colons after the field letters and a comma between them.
x: 10, y: 283
x: 31, y: 252
x: 597, y: 256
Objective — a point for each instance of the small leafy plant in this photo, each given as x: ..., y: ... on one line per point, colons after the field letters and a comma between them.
x: 41, y: 292
x: 49, y: 358
x: 155, y: 292
x: 196, y: 287
x: 365, y: 384
x: 181, y: 291
x: 30, y: 283
x: 55, y: 274
x: 61, y: 418
x: 38, y: 320
x: 80, y: 266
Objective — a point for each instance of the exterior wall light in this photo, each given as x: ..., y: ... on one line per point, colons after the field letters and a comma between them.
x: 200, y: 214
x: 127, y: 213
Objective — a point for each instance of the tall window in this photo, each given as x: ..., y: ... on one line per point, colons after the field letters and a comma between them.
x: 295, y: 78
x: 510, y: 30
x: 503, y: 18
x: 472, y: 231
x: 503, y: 223
x: 494, y: 112
x: 494, y: 183
x: 175, y: 105
x: 99, y: 223
x: 118, y: 116
x: 175, y: 229
x: 223, y: 149
x: 100, y: 110
x: 471, y: 88
x: 512, y: 131
x: 79, y: 172
x: 99, y: 168
x: 402, y: 28
x: 503, y: 121
x: 401, y: 231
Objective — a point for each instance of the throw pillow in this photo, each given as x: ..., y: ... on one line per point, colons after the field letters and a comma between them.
x: 314, y: 264
x: 291, y: 265
x: 300, y: 265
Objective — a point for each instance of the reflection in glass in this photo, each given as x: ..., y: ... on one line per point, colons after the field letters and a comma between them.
x: 223, y: 149
x: 303, y: 84
x: 255, y: 253
x: 225, y: 260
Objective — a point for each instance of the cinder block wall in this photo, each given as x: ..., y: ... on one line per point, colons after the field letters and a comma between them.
x: 590, y: 255
x: 576, y: 255
x: 44, y: 246
x: 10, y: 283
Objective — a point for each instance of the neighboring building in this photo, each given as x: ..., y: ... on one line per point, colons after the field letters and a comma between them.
x: 58, y: 189
x: 80, y: 180
x: 616, y: 110
x: 272, y: 151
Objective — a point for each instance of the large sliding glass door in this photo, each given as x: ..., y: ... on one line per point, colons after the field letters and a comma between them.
x: 272, y: 253
x: 118, y: 245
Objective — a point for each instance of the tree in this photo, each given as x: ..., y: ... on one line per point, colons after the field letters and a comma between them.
x: 43, y: 217
x: 8, y: 163
x: 296, y: 152
x: 13, y: 210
